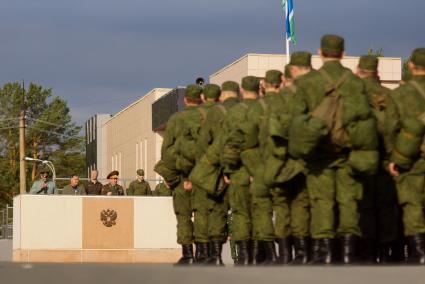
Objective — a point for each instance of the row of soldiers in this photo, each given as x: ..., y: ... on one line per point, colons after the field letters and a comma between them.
x: 326, y: 163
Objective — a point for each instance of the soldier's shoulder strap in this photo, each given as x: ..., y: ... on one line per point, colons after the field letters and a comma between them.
x: 418, y: 88
x: 203, y: 114
x: 333, y: 86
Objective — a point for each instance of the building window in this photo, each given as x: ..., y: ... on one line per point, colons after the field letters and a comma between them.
x: 119, y: 163
x: 95, y: 128
x: 87, y: 132
x: 141, y: 154
x: 92, y: 129
x: 137, y: 155
x: 146, y: 157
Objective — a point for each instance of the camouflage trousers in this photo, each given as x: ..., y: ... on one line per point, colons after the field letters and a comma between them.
x: 330, y: 186
x: 210, y: 216
x: 289, y: 205
x: 411, y: 197
x: 240, y: 204
x: 183, y: 209
x: 379, y: 212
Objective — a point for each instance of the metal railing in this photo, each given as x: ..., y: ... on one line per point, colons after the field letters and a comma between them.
x: 6, y: 225
x: 124, y: 182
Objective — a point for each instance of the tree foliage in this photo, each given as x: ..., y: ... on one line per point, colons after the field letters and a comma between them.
x: 376, y: 52
x: 50, y: 135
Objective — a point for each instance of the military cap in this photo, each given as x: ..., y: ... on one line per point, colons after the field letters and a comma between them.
x: 212, y: 91
x: 193, y: 92
x: 230, y: 86
x: 407, y: 76
x: 251, y: 83
x: 273, y: 77
x: 332, y: 44
x: 113, y: 174
x: 418, y: 57
x: 288, y: 74
x: 301, y: 58
x: 369, y: 63
x: 140, y: 172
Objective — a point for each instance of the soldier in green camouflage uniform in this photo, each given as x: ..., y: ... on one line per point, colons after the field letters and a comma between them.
x: 336, y: 99
x: 139, y: 187
x: 161, y: 189
x: 175, y: 166
x: 289, y: 198
x: 210, y: 96
x: 253, y: 155
x: 112, y: 187
x: 379, y: 216
x: 227, y: 151
x: 405, y: 130
x: 215, y: 206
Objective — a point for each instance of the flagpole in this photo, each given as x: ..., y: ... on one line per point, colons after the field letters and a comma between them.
x: 286, y: 33
x: 287, y: 50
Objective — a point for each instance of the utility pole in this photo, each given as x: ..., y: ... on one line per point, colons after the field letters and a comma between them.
x: 22, y: 162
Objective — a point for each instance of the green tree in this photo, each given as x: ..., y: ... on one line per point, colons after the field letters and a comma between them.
x: 377, y: 52
x: 50, y: 134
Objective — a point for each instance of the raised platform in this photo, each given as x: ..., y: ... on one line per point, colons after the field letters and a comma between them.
x: 94, y: 229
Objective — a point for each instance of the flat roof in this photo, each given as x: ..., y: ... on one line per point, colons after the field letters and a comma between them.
x: 284, y: 55
x: 138, y: 101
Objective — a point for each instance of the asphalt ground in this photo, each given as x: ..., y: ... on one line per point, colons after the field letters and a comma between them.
x: 11, y: 273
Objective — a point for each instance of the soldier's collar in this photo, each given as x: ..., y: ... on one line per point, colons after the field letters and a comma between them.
x: 190, y: 107
x: 231, y: 99
x: 419, y: 78
x: 372, y: 79
x: 269, y: 94
x: 333, y: 63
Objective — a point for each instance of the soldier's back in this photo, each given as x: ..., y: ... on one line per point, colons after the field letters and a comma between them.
x: 410, y: 103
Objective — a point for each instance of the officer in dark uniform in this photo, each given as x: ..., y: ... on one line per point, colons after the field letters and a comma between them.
x: 112, y: 188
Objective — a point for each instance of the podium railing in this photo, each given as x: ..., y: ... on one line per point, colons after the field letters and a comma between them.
x: 6, y: 225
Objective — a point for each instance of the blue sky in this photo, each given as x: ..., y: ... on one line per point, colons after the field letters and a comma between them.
x: 100, y: 55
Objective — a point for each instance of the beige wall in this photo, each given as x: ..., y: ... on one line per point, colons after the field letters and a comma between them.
x: 258, y: 64
x: 130, y: 141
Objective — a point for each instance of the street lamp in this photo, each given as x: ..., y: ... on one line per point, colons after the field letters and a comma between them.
x: 47, y: 163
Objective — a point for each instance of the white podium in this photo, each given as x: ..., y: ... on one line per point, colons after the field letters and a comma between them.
x: 57, y: 228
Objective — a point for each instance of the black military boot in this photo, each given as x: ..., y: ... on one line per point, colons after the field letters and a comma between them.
x: 367, y: 251
x: 385, y: 253
x: 242, y: 253
x: 416, y: 249
x: 323, y: 251
x: 270, y: 253
x: 302, y: 249
x: 256, y: 252
x: 285, y: 251
x: 215, y: 256
x: 349, y: 249
x: 202, y: 252
x: 187, y: 256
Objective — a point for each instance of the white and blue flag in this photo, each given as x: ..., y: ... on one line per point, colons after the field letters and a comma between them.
x: 288, y: 7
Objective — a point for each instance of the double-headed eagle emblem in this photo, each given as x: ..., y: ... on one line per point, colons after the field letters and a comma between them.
x: 108, y: 217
